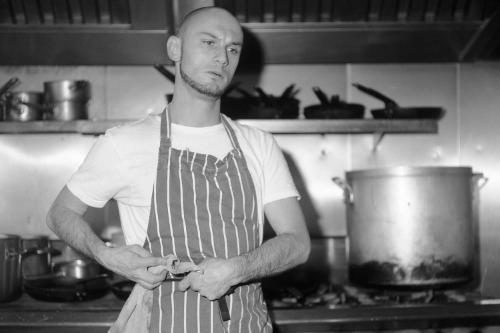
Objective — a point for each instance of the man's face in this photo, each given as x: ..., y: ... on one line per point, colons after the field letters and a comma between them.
x: 211, y: 47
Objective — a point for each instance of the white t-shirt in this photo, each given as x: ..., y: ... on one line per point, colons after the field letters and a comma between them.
x: 122, y: 165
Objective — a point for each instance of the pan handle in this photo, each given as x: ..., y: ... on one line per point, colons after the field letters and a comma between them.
x: 35, y: 250
x: 389, y: 103
x: 348, y: 193
x: 8, y: 85
x: 479, y: 180
x: 165, y: 72
x: 321, y: 95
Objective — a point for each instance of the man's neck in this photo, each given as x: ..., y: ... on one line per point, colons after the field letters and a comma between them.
x: 189, y: 108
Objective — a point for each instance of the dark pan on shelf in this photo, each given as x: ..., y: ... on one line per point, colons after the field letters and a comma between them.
x: 320, y: 111
x: 409, y: 113
x: 393, y: 111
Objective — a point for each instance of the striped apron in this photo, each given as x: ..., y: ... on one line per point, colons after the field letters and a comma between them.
x: 203, y: 207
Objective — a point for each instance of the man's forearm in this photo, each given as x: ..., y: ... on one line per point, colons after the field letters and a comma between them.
x: 74, y: 230
x: 273, y: 256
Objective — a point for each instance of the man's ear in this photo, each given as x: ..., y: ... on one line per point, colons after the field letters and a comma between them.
x: 174, y: 48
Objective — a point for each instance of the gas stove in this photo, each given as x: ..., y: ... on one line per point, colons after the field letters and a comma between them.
x: 328, y: 307
x: 336, y: 296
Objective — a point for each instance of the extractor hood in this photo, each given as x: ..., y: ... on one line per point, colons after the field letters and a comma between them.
x: 134, y: 32
x: 367, y: 31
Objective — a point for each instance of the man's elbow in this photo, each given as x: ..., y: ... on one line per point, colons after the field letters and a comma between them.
x: 304, y: 248
x: 56, y: 215
x: 51, y: 217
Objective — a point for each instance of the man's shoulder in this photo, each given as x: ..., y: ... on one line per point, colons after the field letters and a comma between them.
x: 138, y: 134
x: 144, y: 127
x: 250, y: 132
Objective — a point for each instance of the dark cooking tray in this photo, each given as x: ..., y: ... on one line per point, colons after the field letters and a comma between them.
x: 49, y: 289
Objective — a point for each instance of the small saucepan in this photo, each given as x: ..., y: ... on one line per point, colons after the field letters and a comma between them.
x: 24, y: 106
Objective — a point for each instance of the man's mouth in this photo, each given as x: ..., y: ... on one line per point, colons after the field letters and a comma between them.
x: 216, y: 75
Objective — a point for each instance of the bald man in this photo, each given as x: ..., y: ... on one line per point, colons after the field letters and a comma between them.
x: 193, y: 183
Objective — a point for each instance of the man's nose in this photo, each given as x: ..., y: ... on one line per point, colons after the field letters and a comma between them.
x: 222, y: 57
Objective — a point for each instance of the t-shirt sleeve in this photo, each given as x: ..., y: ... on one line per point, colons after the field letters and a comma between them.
x: 278, y: 182
x: 101, y: 176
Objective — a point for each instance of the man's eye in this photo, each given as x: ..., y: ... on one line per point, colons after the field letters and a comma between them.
x: 234, y: 50
x: 209, y: 42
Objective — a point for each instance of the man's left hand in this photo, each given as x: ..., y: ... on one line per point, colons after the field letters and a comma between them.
x: 215, y: 278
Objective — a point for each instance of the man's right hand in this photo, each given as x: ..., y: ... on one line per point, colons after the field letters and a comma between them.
x: 132, y: 262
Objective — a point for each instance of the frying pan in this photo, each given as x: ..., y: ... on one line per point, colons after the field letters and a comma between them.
x: 72, y: 273
x: 74, y: 280
x: 50, y: 289
x: 393, y: 110
x: 332, y: 108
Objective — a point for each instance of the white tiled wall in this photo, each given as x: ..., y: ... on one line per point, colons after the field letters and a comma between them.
x: 468, y: 134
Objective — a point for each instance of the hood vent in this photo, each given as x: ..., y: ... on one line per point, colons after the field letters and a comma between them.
x: 63, y: 12
x: 133, y: 32
x: 343, y: 31
x: 396, y: 11
x: 83, y: 32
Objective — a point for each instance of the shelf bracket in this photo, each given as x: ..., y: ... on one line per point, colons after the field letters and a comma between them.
x: 377, y: 137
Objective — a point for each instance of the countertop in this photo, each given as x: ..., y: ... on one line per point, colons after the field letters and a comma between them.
x: 27, y: 314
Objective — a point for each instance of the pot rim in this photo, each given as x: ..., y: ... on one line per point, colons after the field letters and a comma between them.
x: 76, y: 263
x: 10, y: 236
x: 34, y: 236
x: 403, y: 171
x: 53, y: 82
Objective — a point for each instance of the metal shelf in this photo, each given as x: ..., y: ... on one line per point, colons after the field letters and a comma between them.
x: 277, y: 126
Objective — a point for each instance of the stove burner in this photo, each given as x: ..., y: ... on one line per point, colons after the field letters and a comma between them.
x: 336, y: 296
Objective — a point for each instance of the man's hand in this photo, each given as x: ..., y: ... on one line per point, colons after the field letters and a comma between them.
x: 215, y: 278
x: 135, y: 263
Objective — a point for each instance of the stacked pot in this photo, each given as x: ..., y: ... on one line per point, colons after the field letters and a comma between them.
x: 68, y: 99
x: 19, y: 258
x: 62, y: 100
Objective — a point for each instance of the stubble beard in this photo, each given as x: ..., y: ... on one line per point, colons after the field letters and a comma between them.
x: 204, y: 89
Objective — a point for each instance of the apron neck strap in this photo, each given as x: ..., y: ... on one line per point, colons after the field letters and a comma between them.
x: 166, y: 129
x: 165, y: 125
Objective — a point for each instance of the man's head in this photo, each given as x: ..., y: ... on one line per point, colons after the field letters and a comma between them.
x: 206, y: 50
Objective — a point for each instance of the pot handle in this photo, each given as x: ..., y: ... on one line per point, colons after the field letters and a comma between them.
x: 346, y: 188
x: 12, y: 254
x: 35, y: 250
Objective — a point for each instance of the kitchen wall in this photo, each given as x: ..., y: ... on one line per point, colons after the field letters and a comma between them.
x: 33, y: 167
